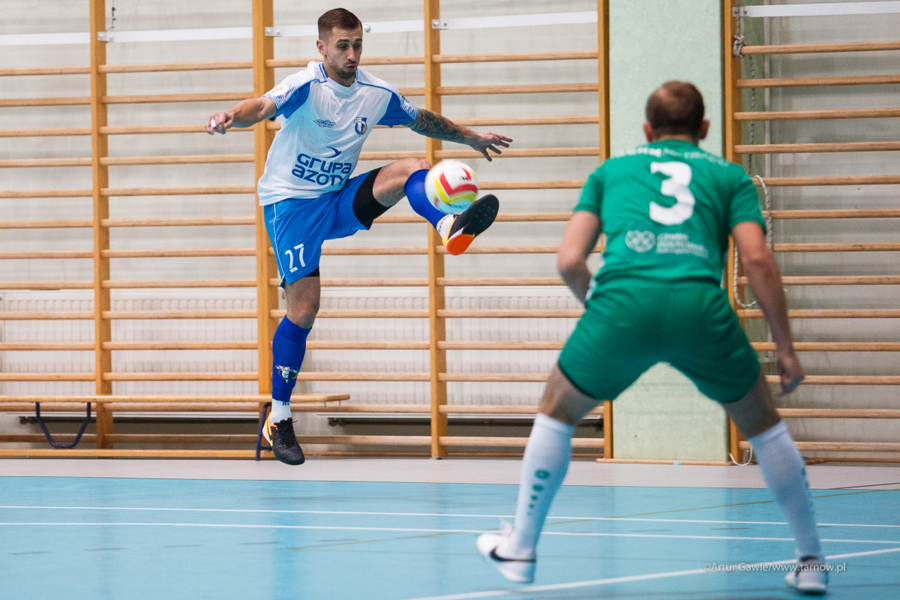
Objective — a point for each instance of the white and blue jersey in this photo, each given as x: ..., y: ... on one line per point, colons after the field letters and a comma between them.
x: 324, y: 127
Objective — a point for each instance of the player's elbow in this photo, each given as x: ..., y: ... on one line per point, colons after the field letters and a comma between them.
x: 569, y: 263
x: 759, y: 264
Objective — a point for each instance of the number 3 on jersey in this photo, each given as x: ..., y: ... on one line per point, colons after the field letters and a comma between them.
x: 676, y: 186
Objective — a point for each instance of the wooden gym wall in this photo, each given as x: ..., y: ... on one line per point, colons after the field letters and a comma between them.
x: 117, y: 237
x: 113, y: 239
x: 822, y: 139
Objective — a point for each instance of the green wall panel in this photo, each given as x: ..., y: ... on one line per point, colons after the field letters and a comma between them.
x: 664, y: 416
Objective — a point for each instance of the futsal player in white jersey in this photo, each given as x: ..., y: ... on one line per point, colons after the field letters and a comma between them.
x: 309, y: 194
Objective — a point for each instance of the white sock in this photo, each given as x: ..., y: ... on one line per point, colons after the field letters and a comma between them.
x: 544, y: 467
x: 443, y: 225
x: 280, y: 411
x: 782, y: 469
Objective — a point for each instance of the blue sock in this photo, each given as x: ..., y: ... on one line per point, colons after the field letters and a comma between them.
x: 415, y: 193
x: 288, y: 349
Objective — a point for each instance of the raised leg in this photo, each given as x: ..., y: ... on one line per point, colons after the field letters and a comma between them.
x: 407, y: 177
x: 391, y: 182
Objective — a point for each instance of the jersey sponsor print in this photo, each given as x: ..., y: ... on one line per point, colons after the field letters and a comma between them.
x: 324, y: 126
x: 666, y: 209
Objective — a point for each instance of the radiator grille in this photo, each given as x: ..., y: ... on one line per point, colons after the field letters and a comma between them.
x: 225, y: 361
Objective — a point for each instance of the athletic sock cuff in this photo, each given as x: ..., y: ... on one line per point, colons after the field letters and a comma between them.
x: 414, y: 178
x: 769, y: 434
x: 292, y: 332
x: 542, y: 420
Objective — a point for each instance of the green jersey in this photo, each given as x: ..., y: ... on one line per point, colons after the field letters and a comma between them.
x: 666, y: 209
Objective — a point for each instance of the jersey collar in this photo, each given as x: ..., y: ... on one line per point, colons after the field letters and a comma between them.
x: 338, y: 89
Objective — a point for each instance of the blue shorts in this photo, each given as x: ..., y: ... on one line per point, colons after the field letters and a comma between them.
x: 297, y: 228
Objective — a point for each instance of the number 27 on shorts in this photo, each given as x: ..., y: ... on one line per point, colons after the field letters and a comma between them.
x: 299, y: 249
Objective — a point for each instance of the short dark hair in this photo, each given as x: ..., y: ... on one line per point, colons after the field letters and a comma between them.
x: 675, y: 108
x: 339, y: 18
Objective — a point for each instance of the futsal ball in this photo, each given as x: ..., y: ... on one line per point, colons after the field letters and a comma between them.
x: 451, y: 186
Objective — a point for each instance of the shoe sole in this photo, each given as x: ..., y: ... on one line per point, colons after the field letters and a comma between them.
x: 809, y: 592
x: 293, y: 463
x: 816, y: 590
x: 481, y: 216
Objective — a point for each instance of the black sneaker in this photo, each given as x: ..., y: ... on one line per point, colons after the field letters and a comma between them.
x: 470, y: 223
x: 284, y: 443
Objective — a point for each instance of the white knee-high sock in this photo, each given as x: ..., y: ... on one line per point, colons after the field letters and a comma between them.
x: 544, y: 467
x: 782, y: 469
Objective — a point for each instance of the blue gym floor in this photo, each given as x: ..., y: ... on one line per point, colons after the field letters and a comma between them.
x: 113, y: 538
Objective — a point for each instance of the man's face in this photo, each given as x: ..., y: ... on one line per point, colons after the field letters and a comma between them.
x: 342, y: 49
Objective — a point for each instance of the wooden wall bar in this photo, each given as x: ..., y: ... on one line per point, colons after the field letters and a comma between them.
x: 854, y: 219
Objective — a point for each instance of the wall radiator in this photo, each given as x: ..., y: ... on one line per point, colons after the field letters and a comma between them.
x: 530, y: 361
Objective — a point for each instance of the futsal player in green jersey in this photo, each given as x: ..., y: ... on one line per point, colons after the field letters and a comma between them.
x: 667, y: 209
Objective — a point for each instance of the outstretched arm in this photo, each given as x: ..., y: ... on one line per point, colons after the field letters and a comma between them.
x: 439, y: 127
x: 245, y: 113
x: 578, y: 242
x: 765, y: 282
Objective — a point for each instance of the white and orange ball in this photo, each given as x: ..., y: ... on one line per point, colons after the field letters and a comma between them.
x: 451, y: 186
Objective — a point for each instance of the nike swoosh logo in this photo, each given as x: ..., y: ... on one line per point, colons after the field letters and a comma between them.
x: 336, y: 151
x: 496, y: 556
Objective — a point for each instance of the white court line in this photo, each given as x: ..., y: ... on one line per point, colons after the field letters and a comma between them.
x: 709, y: 537
x: 598, y: 582
x: 725, y: 522
x: 424, y: 530
x: 403, y: 514
x: 247, y: 526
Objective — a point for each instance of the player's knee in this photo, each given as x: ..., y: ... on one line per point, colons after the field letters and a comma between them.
x: 408, y: 166
x: 758, y: 423
x: 562, y: 413
x: 304, y: 315
x: 303, y: 319
x: 563, y: 402
x: 755, y: 412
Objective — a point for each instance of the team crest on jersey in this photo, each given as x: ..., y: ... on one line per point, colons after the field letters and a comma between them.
x: 361, y: 126
x: 287, y: 373
x: 640, y: 241
x: 325, y: 123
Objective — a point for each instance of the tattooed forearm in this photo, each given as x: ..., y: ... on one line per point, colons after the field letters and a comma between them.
x: 437, y: 126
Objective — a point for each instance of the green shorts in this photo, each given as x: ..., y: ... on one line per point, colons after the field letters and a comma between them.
x: 630, y: 326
